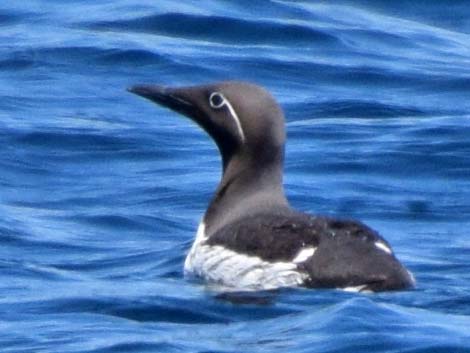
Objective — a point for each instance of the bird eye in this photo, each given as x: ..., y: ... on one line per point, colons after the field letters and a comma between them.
x: 216, y: 100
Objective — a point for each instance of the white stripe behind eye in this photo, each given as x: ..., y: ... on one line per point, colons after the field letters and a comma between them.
x: 232, y: 111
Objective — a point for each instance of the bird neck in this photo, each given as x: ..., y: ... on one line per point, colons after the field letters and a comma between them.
x: 251, y: 183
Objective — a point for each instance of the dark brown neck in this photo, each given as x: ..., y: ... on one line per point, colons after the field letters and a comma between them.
x: 251, y: 183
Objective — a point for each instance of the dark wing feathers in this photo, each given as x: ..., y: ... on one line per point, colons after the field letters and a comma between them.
x: 281, y: 237
x: 270, y: 237
x: 346, y: 251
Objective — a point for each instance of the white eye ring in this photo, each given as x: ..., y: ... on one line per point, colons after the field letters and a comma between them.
x: 217, y: 100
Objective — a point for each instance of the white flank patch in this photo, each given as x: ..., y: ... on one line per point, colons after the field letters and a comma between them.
x: 383, y: 247
x: 304, y: 255
x: 355, y: 289
x: 200, y: 237
x: 413, y: 279
x: 220, y: 265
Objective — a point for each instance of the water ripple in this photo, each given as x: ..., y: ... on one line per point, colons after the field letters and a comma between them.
x: 101, y: 192
x: 220, y: 29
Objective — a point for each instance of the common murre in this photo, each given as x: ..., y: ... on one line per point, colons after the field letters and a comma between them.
x: 250, y: 238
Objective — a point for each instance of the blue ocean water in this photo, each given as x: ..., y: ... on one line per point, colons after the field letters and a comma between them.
x: 101, y: 192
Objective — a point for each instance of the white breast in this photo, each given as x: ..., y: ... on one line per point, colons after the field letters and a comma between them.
x: 220, y: 265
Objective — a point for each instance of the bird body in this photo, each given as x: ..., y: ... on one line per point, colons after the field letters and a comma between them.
x: 250, y: 238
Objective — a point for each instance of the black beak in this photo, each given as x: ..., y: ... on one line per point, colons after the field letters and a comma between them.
x: 165, y: 96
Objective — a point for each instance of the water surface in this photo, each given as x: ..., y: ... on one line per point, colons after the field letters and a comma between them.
x: 101, y: 192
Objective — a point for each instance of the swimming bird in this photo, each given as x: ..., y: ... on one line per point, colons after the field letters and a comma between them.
x: 250, y: 238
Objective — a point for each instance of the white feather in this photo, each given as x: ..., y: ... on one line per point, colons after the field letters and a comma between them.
x: 304, y: 255
x: 220, y: 265
x: 383, y: 247
x: 355, y: 289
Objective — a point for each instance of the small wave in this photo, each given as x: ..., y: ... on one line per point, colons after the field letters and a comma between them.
x: 51, y: 148
x: 96, y: 55
x: 16, y: 62
x: 131, y: 56
x: 31, y: 58
x: 353, y: 109
x: 171, y: 312
x: 9, y: 18
x: 73, y: 141
x: 24, y: 241
x: 118, y: 222
x: 138, y: 347
x: 219, y: 29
